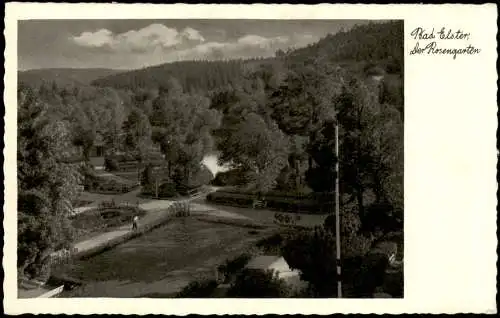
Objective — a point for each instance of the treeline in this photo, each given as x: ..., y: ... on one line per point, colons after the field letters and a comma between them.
x: 193, y: 76
x: 366, y: 42
x: 372, y: 42
x: 63, y: 76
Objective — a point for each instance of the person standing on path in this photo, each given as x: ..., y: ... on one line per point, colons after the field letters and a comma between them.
x: 134, y: 222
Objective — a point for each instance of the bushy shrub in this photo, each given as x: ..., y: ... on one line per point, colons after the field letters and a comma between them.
x: 111, y: 164
x: 370, y: 275
x: 232, y: 266
x: 251, y: 283
x: 198, y: 289
x: 233, y: 177
x: 147, y: 178
x: 166, y: 190
x: 271, y: 244
x: 381, y: 217
x: 350, y: 222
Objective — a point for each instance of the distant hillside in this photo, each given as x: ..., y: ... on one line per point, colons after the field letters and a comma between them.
x: 367, y: 42
x: 192, y: 75
x: 355, y: 49
x: 63, y: 76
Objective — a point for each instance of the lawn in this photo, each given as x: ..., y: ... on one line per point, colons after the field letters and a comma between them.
x: 266, y: 216
x: 129, y: 175
x: 162, y: 261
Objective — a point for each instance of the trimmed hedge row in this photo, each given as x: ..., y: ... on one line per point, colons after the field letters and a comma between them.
x: 234, y: 222
x: 169, y: 190
x: 324, y: 196
x: 290, y: 203
x: 113, y: 164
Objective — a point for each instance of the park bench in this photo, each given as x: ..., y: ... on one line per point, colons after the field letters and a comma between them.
x: 259, y: 204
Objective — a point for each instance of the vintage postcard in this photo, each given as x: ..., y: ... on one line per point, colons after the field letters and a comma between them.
x: 250, y: 159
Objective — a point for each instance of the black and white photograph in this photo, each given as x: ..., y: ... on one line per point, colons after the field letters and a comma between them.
x: 210, y: 158
x: 257, y: 159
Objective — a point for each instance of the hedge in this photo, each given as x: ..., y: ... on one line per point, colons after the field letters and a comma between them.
x: 314, y: 204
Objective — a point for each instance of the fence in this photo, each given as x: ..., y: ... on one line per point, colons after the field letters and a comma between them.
x: 180, y: 209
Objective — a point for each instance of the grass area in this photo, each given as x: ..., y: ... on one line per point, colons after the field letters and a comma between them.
x: 267, y: 216
x: 129, y: 175
x: 160, y: 262
x: 98, y: 221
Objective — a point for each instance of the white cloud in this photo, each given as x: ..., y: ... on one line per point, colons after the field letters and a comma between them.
x: 148, y: 38
x: 257, y: 40
x: 192, y: 34
x: 95, y: 39
x: 247, y: 46
x: 157, y: 44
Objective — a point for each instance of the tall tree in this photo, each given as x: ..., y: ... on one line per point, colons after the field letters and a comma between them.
x: 185, y: 123
x: 257, y: 148
x: 137, y: 131
x: 46, y: 185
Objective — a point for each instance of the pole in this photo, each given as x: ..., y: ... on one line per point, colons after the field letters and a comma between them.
x: 337, y: 212
x: 156, y: 183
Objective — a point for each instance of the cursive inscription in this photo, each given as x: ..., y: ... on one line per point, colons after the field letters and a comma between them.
x: 428, y: 42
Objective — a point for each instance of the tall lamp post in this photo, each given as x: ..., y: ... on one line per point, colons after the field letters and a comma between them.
x: 337, y: 211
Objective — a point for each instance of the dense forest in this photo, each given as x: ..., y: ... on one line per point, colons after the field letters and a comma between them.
x: 271, y: 120
x: 63, y: 76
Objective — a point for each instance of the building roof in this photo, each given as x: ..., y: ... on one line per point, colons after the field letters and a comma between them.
x: 262, y: 262
x: 276, y: 263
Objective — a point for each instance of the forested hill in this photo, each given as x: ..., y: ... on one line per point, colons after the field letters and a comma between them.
x: 63, y: 76
x: 192, y: 75
x: 380, y: 43
x: 367, y: 42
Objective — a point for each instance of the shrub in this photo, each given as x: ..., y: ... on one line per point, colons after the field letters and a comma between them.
x: 349, y: 222
x: 271, y: 244
x: 229, y: 178
x: 251, y: 283
x: 198, y: 289
x: 166, y: 190
x: 111, y: 164
x: 370, y: 275
x: 147, y: 175
x: 232, y: 266
x: 394, y: 284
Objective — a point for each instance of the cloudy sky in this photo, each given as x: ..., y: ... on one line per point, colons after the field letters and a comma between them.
x: 130, y: 44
